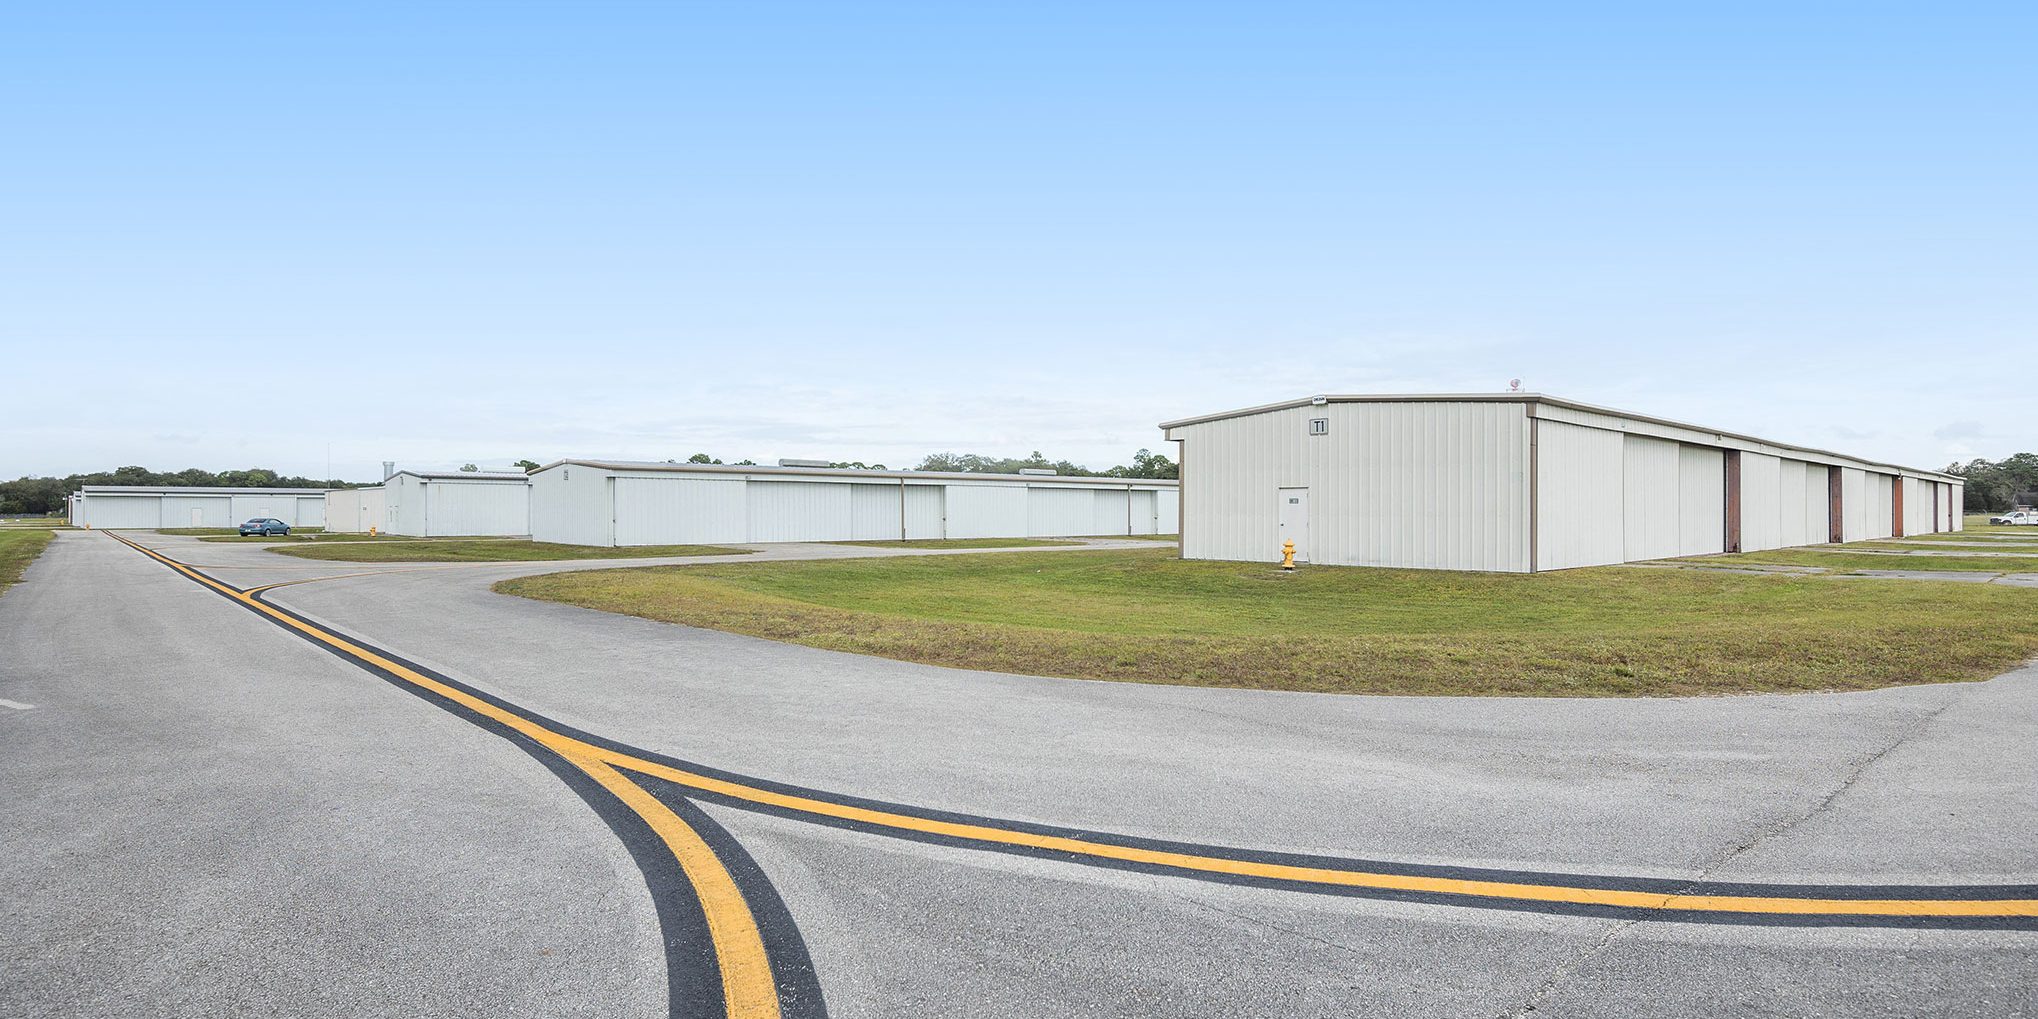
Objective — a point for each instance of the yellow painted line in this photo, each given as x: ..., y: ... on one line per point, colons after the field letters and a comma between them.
x: 748, y: 988
x: 1338, y: 877
x: 580, y: 752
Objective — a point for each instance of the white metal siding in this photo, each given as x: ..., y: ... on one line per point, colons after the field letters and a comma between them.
x: 1120, y: 512
x: 1579, y: 495
x: 1429, y: 485
x: 212, y: 511
x: 926, y: 513
x: 1649, y: 498
x: 570, y: 505
x: 1701, y: 500
x: 354, y: 510
x: 281, y: 507
x: 1882, y: 508
x: 1058, y: 511
x: 799, y: 511
x: 1818, y: 504
x: 1762, y: 502
x: 455, y: 507
x: 679, y: 510
x: 1790, y: 501
x: 105, y: 511
x: 1142, y: 508
x: 986, y: 511
x: 1167, y: 511
x: 1853, y: 504
x: 875, y: 513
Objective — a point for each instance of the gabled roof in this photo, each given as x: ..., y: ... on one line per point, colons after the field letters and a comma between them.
x: 1545, y: 400
x: 193, y: 490
x: 1086, y: 480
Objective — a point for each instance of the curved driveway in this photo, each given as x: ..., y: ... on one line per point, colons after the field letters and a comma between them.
x: 201, y: 798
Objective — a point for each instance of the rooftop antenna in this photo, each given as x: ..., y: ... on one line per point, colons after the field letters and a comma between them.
x: 1514, y: 385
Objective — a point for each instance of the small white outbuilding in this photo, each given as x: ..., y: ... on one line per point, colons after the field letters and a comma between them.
x: 436, y: 504
x: 150, y: 506
x: 592, y: 502
x: 1521, y: 482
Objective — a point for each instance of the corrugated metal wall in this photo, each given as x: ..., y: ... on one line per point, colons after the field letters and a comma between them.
x: 1579, y: 496
x: 354, y: 510
x: 1882, y: 510
x: 1428, y: 485
x: 679, y: 510
x: 875, y: 513
x: 672, y: 507
x: 297, y: 511
x: 1143, y: 508
x: 1762, y: 502
x: 571, y: 505
x: 1167, y: 511
x: 987, y: 511
x: 926, y: 511
x: 464, y: 508
x: 798, y: 511
x: 198, y: 511
x: 1053, y: 511
x: 1853, y: 504
x: 142, y: 511
x: 1649, y: 498
x: 1701, y: 500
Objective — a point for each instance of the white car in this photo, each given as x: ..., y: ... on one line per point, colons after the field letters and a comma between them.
x: 2017, y: 517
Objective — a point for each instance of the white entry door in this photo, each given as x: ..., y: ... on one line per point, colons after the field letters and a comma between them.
x: 197, y: 517
x: 1295, y: 520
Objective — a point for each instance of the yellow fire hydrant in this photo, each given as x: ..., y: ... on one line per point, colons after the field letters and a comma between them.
x: 1288, y: 555
x: 371, y: 530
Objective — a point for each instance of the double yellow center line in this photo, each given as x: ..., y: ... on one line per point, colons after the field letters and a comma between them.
x: 746, y: 970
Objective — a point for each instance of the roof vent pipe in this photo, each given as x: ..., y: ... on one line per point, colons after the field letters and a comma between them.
x: 1043, y: 472
x: 804, y: 463
x: 388, y: 469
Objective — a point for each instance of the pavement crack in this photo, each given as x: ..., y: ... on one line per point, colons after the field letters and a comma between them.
x: 1557, y: 976
x: 1270, y: 925
x: 1569, y: 966
x: 1853, y: 776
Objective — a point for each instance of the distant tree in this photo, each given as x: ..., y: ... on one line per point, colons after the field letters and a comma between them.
x: 702, y: 458
x: 469, y: 468
x: 47, y: 494
x: 744, y: 463
x: 527, y: 466
x: 858, y: 465
x: 1147, y: 464
x: 1992, y: 485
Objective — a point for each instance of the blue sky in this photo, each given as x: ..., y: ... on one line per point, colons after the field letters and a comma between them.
x: 443, y: 233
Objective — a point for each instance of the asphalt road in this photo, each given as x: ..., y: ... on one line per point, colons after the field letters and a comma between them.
x: 221, y: 804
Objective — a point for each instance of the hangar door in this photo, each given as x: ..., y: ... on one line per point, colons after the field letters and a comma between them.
x: 1701, y: 500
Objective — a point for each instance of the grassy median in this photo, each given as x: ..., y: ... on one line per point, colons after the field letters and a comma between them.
x: 19, y: 545
x: 955, y: 543
x: 1146, y: 616
x: 1848, y: 559
x: 507, y: 550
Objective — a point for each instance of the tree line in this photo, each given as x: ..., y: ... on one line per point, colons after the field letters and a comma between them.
x: 32, y: 495
x: 1994, y: 485
x: 1145, y: 464
x: 45, y: 495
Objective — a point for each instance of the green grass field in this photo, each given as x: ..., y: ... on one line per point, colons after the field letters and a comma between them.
x: 957, y: 543
x: 19, y: 545
x: 1840, y: 559
x: 508, y: 550
x: 1146, y: 616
